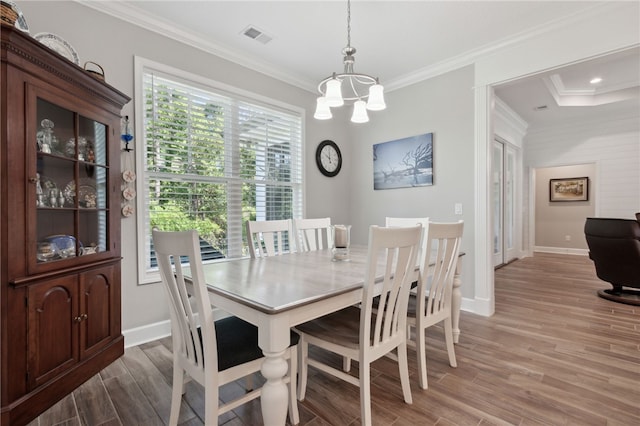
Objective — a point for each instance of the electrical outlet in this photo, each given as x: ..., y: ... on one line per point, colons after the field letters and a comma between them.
x: 567, y: 237
x: 458, y: 208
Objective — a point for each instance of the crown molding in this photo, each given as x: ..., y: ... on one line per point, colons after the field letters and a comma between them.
x: 471, y: 56
x: 127, y: 12
x: 566, y: 97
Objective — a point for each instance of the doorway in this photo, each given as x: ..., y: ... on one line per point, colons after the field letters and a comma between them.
x: 504, y: 202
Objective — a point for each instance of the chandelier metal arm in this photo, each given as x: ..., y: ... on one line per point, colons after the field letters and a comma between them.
x: 362, y: 79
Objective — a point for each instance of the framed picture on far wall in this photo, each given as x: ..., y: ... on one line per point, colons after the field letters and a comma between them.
x: 403, y: 163
x: 569, y: 189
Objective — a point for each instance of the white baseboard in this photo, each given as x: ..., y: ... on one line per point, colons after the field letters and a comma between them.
x: 477, y: 306
x: 146, y: 333
x: 150, y: 332
x: 467, y: 305
x: 561, y: 250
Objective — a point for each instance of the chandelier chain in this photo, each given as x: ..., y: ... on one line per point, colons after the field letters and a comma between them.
x: 348, y: 23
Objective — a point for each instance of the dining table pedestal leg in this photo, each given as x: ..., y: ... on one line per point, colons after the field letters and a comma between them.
x: 274, y: 398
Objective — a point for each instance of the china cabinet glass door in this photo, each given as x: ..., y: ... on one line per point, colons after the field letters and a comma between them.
x: 71, y: 184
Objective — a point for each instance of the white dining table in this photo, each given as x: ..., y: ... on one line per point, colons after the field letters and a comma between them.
x: 279, y: 292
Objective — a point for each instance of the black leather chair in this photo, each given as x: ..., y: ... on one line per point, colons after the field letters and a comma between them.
x: 614, y: 247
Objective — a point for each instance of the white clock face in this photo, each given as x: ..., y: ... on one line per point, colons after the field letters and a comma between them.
x: 329, y: 158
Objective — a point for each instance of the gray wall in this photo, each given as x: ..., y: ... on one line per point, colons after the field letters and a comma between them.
x: 555, y: 221
x: 443, y: 106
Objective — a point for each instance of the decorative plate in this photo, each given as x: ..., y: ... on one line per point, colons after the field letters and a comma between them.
x: 87, y: 196
x: 86, y: 193
x: 21, y: 23
x: 129, y: 194
x: 127, y: 210
x: 128, y: 176
x: 58, y: 45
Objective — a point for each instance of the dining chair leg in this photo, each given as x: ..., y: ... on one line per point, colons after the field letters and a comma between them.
x: 403, y: 369
x: 448, y: 337
x: 421, y: 352
x: 176, y: 394
x: 211, y: 403
x: 365, y: 393
x: 248, y: 383
x: 303, y: 354
x: 346, y: 364
x: 294, y: 415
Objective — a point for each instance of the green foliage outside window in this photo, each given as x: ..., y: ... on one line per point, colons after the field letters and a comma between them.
x: 203, y: 166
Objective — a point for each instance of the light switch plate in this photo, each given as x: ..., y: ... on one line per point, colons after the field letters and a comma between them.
x: 458, y: 208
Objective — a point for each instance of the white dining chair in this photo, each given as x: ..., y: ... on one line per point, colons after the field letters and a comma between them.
x: 270, y: 237
x: 213, y: 353
x: 357, y: 333
x: 412, y: 221
x: 313, y: 234
x: 431, y: 304
x: 403, y: 222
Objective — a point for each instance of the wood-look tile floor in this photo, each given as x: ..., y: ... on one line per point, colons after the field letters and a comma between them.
x: 553, y: 354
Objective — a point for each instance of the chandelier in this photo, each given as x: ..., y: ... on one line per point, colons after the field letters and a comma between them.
x: 364, y: 91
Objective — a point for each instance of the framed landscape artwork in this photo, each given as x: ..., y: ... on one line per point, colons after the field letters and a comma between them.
x: 403, y: 163
x: 569, y: 189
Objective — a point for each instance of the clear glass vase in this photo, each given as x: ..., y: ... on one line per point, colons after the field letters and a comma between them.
x: 341, y: 236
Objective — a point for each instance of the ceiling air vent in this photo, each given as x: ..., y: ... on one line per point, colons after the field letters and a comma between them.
x: 256, y: 34
x: 540, y: 108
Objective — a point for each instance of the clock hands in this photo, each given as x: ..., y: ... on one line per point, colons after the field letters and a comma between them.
x: 328, y: 157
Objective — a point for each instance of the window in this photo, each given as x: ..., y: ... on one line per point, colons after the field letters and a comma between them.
x: 213, y: 158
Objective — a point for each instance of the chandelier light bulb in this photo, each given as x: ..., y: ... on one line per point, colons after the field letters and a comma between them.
x: 323, y: 112
x: 360, y: 112
x: 334, y: 93
x: 376, y: 98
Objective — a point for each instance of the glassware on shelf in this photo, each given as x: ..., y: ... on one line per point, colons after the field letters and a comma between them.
x: 46, y: 251
x: 53, y: 197
x: 61, y: 199
x: 39, y: 192
x: 45, y: 136
x: 70, y: 148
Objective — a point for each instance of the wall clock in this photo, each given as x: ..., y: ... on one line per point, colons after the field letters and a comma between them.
x: 328, y: 158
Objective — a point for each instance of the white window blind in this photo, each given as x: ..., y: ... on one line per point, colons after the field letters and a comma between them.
x: 214, y: 160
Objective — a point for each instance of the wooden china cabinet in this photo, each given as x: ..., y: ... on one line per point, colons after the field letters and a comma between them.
x: 59, y: 228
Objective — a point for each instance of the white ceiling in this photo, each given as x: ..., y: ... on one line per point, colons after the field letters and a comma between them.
x: 566, y: 95
x: 398, y: 41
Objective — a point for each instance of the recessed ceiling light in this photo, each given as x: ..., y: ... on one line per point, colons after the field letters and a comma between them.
x: 595, y: 80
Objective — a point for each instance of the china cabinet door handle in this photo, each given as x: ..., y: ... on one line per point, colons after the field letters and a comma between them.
x: 33, y: 180
x: 84, y: 316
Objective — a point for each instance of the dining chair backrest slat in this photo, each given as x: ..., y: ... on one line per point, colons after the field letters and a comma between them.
x: 413, y: 221
x: 270, y: 237
x: 313, y: 234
